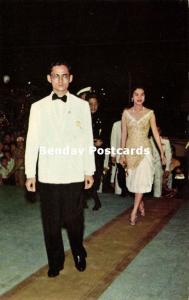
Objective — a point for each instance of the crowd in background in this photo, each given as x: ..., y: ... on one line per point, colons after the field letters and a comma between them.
x: 109, y: 175
x: 12, y: 148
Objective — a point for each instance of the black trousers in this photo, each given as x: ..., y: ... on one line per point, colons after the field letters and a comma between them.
x: 99, y: 162
x: 121, y: 179
x: 61, y: 205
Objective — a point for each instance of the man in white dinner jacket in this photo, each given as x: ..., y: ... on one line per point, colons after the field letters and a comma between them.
x: 60, y: 139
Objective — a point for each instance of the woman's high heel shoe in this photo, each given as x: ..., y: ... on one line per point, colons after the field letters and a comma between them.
x: 133, y: 222
x: 142, y: 212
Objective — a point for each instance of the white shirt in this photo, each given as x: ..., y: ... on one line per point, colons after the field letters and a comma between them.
x: 4, y: 172
x: 10, y: 165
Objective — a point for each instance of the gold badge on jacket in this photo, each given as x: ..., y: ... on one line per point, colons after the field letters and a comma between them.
x: 78, y: 124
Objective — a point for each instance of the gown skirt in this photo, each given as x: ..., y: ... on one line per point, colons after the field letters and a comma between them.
x: 140, y: 179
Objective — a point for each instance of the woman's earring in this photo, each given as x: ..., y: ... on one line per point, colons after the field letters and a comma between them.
x: 132, y: 99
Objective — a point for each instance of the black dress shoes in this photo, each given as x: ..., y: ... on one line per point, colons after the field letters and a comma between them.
x: 84, y: 252
x: 97, y: 206
x: 80, y: 262
x: 85, y: 205
x: 123, y: 194
x: 54, y: 272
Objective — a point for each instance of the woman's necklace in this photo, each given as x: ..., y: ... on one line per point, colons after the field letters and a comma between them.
x: 137, y: 111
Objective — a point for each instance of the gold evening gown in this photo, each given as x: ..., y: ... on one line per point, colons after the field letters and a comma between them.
x: 140, y: 167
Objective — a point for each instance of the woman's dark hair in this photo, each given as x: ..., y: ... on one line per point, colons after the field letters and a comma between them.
x: 137, y: 87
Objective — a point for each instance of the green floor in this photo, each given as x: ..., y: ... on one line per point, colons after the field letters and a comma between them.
x: 160, y: 271
x: 22, y: 249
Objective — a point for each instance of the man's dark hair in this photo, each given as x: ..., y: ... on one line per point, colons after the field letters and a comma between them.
x: 92, y: 95
x: 59, y: 62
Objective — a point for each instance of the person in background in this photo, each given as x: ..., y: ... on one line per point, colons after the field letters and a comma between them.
x: 10, y: 160
x: 12, y: 148
x: 97, y: 126
x: 1, y: 150
x: 83, y: 93
x: 187, y: 157
x: 19, y: 167
x: 161, y: 175
x: 7, y: 139
x: 119, y: 177
x: 5, y: 174
x: 177, y: 176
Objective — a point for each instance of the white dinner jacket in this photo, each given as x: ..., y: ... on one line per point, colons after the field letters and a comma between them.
x: 60, y: 138
x: 115, y: 140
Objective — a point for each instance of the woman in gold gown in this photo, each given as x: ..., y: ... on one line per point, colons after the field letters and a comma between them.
x: 137, y: 157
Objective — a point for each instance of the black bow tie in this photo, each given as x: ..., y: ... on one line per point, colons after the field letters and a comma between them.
x: 63, y: 98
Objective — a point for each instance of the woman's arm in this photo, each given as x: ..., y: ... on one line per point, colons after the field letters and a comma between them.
x: 157, y: 137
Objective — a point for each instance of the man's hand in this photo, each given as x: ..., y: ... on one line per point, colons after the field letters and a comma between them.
x: 31, y: 184
x: 122, y: 161
x: 166, y: 174
x: 163, y: 159
x: 88, y: 182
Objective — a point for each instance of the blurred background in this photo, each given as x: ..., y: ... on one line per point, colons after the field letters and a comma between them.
x: 112, y: 46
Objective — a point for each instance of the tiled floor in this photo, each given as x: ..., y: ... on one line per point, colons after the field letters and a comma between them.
x: 159, y: 271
